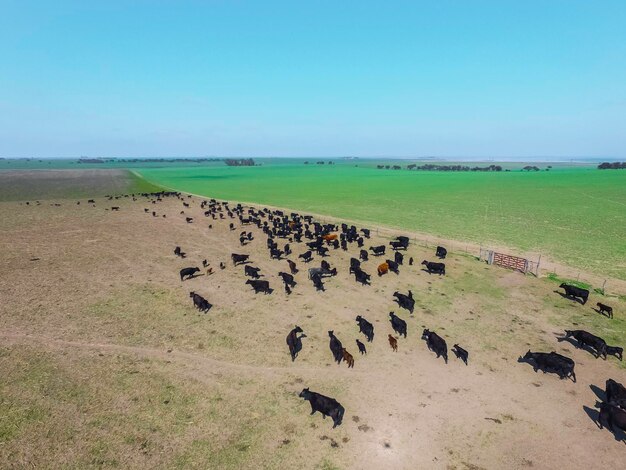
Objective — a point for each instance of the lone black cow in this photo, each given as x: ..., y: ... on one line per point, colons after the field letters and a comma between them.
x: 325, y: 405
x: 436, y: 344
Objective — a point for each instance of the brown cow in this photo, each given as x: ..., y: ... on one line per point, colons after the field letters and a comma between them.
x: 348, y: 358
x: 383, y: 269
x: 330, y: 237
x: 393, y: 342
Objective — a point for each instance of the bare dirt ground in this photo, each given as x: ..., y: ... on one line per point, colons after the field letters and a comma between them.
x: 105, y: 363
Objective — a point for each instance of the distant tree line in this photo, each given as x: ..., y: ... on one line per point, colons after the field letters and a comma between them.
x: 239, y: 161
x: 432, y: 167
x: 612, y: 166
x: 530, y: 168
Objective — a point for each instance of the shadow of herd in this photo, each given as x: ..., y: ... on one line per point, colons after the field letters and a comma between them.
x: 284, y: 230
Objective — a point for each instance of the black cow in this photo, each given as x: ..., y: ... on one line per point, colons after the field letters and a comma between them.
x: 200, y: 302
x: 325, y: 405
x: 575, y: 292
x: 361, y: 347
x: 615, y: 351
x: 317, y: 282
x: 405, y: 301
x: 239, y: 259
x: 366, y: 328
x: 602, y: 308
x: 292, y: 267
x: 335, y: 347
x: 287, y: 279
x: 441, y: 252
x: 294, y: 342
x: 551, y: 362
x: 614, y: 391
x: 259, y: 286
x: 612, y: 416
x: 189, y: 272
x: 354, y: 265
x: 460, y: 353
x: 322, y: 272
x: 362, y: 277
x: 275, y: 254
x: 363, y: 255
x: 178, y: 252
x: 398, y: 324
x: 378, y: 250
x: 189, y: 219
x: 437, y: 268
x: 306, y: 256
x: 436, y: 344
x: 251, y: 271
x: 393, y: 266
x: 399, y: 257
x: 584, y: 338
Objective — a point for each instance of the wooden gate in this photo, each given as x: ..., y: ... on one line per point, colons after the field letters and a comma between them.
x: 508, y: 261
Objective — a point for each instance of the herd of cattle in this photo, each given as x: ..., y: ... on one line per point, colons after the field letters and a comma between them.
x: 319, y: 239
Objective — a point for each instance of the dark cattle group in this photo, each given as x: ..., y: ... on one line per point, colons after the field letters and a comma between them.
x: 283, y: 230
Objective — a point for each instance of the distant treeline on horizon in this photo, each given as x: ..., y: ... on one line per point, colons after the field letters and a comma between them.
x: 612, y: 166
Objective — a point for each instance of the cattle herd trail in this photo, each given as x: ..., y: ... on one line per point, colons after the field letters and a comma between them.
x: 106, y: 363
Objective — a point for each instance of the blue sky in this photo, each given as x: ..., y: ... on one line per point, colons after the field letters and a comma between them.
x: 439, y: 78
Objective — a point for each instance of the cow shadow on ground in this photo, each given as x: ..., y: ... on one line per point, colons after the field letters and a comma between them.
x: 574, y: 343
x: 594, y: 415
x: 565, y: 296
x: 193, y: 276
x: 597, y: 310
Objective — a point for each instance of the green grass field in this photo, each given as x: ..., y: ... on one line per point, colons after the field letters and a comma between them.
x: 576, y: 215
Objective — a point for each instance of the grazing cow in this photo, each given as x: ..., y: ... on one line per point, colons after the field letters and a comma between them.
x: 325, y: 405
x: 584, y: 338
x: 189, y: 272
x: 436, y: 344
x: 378, y: 250
x: 441, y: 252
x: 411, y: 261
x: 189, y: 219
x: 460, y: 353
x: 613, y: 416
x: 393, y: 266
x: 205, y: 263
x: 405, y: 301
x: 292, y: 267
x: 382, y: 269
x: 348, y: 358
x: 306, y: 256
x: 259, y: 286
x: 363, y: 256
x: 287, y: 279
x: 366, y: 232
x: 354, y: 265
x: 115, y: 208
x: 275, y: 254
x: 615, y: 351
x: 398, y: 257
x: 361, y: 347
x: 362, y: 277
x: 335, y: 347
x: 239, y: 259
x: 398, y: 324
x: 90, y: 201
x: 366, y: 328
x: 614, y: 391
x: 200, y: 302
x: 222, y: 265
x: 437, y: 268
x: 551, y: 362
x: 322, y: 272
x: 178, y: 252
x: 287, y: 249
x: 602, y: 308
x: 330, y: 237
x: 251, y: 271
x: 294, y: 342
x: 393, y: 342
x: 575, y: 292
x: 317, y: 282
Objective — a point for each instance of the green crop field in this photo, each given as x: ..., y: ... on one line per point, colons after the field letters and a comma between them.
x: 576, y: 215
